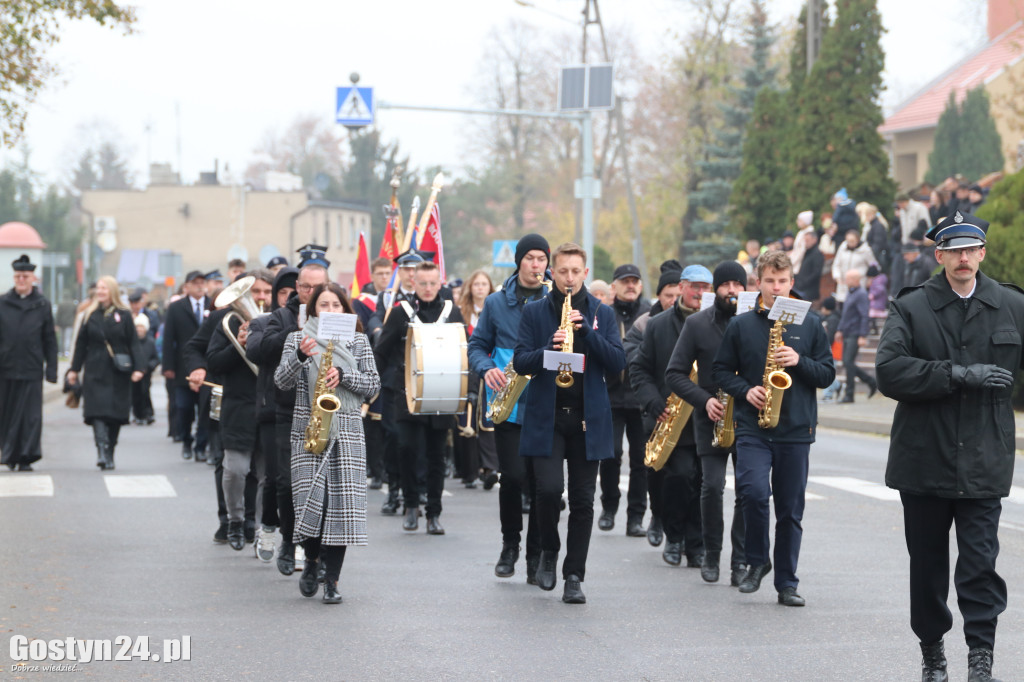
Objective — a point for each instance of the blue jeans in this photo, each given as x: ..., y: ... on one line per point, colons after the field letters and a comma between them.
x: 765, y: 470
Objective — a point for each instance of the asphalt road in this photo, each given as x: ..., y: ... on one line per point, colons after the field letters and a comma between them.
x: 83, y: 563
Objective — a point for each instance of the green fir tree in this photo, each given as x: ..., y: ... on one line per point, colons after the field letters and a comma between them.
x: 981, y: 148
x: 758, y: 199
x: 942, y: 162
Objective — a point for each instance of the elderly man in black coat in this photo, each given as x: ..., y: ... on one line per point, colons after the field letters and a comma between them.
x: 28, y: 350
x: 184, y: 317
x: 948, y: 354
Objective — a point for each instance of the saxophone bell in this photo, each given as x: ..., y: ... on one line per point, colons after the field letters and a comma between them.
x: 318, y: 429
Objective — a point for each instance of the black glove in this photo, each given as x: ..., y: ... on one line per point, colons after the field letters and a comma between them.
x: 981, y: 376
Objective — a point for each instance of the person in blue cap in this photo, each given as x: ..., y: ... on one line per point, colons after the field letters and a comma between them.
x: 313, y: 254
x: 948, y: 353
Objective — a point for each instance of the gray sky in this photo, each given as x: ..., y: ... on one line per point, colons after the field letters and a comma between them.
x: 237, y: 70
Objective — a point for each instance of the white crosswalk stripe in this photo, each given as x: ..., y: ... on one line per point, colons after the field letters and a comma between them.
x: 26, y: 485
x: 857, y: 486
x: 139, y: 486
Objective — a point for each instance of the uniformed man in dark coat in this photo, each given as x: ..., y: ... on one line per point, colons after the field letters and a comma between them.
x: 28, y: 352
x: 948, y: 354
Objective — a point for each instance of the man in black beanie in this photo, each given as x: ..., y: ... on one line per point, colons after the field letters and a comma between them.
x: 490, y: 350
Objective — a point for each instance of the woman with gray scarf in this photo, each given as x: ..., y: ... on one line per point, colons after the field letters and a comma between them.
x: 329, y: 489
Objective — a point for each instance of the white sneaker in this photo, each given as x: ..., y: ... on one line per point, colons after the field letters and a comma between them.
x: 265, y: 544
x: 300, y: 558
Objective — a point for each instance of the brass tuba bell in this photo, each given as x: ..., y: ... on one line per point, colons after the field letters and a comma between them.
x: 237, y: 297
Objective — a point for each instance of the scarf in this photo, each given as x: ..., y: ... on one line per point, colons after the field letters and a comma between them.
x: 344, y: 360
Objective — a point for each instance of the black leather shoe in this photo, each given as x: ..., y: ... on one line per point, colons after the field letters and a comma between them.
x: 506, y: 566
x: 933, y: 663
x: 572, y: 593
x: 25, y: 467
x: 331, y: 594
x: 434, y: 526
x: 412, y: 518
x: 979, y: 665
x: 375, y: 484
x: 736, y: 575
x: 694, y: 560
x: 635, y: 528
x: 673, y: 553
x: 108, y: 458
x: 789, y: 597
x: 531, y: 570
x: 186, y: 451
x: 391, y: 505
x: 308, y: 582
x: 286, y: 558
x: 709, y: 569
x: 606, y: 520
x: 546, y: 570
x: 655, y: 532
x: 846, y: 399
x: 872, y: 389
x: 221, y: 536
x: 200, y: 455
x: 236, y: 535
x: 752, y: 580
x: 490, y: 479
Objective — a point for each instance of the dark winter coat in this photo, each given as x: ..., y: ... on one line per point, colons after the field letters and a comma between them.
x: 265, y: 351
x: 389, y: 353
x: 808, y: 281
x: 620, y: 388
x: 856, y: 319
x: 699, y: 342
x: 28, y: 343
x: 648, y: 365
x: 845, y: 219
x: 949, y: 441
x: 149, y: 355
x: 878, y: 240
x: 238, y: 404
x: 106, y: 393
x: 180, y: 324
x: 266, y: 404
x: 739, y: 366
x: 601, y: 344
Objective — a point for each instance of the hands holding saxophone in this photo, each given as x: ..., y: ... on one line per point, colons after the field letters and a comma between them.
x: 576, y: 317
x: 785, y: 356
x: 308, y: 348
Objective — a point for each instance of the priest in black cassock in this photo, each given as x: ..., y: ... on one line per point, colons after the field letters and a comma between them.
x: 28, y: 343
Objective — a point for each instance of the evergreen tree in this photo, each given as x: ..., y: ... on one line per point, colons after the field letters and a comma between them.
x: 980, y: 149
x: 113, y: 168
x: 759, y: 201
x: 942, y: 162
x: 836, y: 141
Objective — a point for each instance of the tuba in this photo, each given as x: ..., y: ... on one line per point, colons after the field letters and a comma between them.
x: 325, y: 404
x: 237, y: 297
x: 725, y: 428
x: 775, y: 381
x: 564, y: 378
x: 666, y: 433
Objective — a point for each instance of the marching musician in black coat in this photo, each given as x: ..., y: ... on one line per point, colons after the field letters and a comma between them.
x: 184, y: 317
x: 948, y: 354
x: 28, y: 353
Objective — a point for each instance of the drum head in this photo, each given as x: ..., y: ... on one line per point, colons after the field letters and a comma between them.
x: 436, y: 368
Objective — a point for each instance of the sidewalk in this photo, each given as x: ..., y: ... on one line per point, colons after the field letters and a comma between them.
x: 875, y: 416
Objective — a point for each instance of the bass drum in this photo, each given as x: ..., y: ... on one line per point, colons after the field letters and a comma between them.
x: 436, y: 368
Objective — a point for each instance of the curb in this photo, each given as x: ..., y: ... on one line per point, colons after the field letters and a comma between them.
x: 877, y: 428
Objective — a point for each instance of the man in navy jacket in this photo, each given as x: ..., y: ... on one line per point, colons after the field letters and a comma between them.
x: 853, y: 329
x: 573, y: 424
x: 776, y: 456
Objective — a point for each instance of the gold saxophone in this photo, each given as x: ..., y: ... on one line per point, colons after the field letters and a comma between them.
x: 666, y: 433
x: 564, y: 378
x: 775, y: 381
x: 325, y: 404
x: 504, y: 400
x: 725, y: 428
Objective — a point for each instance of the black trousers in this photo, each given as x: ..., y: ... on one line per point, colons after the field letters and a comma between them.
x: 373, y: 433
x: 628, y: 421
x: 467, y: 458
x: 173, y: 427
x: 392, y: 467
x: 569, y: 447
x: 187, y: 403
x: 268, y: 451
x: 681, y: 490
x: 283, y: 453
x: 980, y: 592
x: 712, y: 513
x: 415, y: 439
x: 853, y: 372
x: 142, y: 404
x: 516, y: 478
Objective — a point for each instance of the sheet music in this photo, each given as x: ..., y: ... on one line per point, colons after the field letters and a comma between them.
x: 302, y: 315
x: 789, y: 310
x: 556, y: 360
x: 338, y: 326
x: 707, y: 299
x: 745, y: 301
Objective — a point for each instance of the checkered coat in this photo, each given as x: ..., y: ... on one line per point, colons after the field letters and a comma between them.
x: 329, y: 490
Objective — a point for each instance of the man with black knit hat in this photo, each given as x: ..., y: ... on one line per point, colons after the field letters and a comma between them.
x: 701, y: 336
x: 626, y: 417
x: 28, y: 354
x: 490, y: 350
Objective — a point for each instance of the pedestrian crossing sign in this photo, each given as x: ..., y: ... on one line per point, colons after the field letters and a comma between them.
x: 354, y: 106
x: 504, y: 251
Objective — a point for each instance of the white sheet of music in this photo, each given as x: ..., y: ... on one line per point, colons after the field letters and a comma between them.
x: 707, y: 299
x: 791, y: 310
x: 556, y: 361
x: 338, y: 326
x: 745, y: 301
x: 302, y: 315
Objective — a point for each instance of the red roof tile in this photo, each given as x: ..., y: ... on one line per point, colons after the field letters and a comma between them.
x: 924, y: 108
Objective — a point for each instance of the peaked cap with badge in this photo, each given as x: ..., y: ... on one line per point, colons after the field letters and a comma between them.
x: 958, y: 231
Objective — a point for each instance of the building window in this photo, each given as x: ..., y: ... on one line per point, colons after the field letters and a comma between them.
x: 353, y: 234
x: 337, y: 230
x: 327, y: 230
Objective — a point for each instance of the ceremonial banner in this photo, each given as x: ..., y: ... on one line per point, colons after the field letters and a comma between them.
x: 431, y: 240
x: 362, y: 275
x: 389, y: 245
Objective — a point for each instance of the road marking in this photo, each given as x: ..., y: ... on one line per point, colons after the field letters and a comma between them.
x: 22, y: 485
x: 139, y: 486
x: 858, y: 486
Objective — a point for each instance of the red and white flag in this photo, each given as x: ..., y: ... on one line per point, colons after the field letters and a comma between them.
x: 431, y: 240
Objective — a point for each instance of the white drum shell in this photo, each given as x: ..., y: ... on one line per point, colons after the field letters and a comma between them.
x: 436, y: 368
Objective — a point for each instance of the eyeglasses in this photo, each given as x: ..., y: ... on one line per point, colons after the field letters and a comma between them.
x: 304, y: 287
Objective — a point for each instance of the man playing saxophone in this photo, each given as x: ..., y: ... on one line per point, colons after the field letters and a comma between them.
x: 490, y: 350
x: 778, y: 455
x: 699, y: 341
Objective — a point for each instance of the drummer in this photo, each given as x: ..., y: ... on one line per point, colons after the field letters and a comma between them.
x: 417, y: 434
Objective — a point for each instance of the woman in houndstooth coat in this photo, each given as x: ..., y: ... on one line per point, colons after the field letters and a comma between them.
x: 329, y: 489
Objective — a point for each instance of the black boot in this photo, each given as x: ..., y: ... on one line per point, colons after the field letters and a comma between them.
x: 391, y: 505
x: 286, y: 558
x: 532, y: 562
x: 709, y: 569
x: 979, y: 665
x: 506, y: 566
x: 109, y: 457
x: 655, y: 532
x: 933, y: 662
x: 309, y: 582
x: 101, y: 434
x: 673, y: 553
x: 236, y: 535
x: 331, y: 594
x: 412, y: 518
